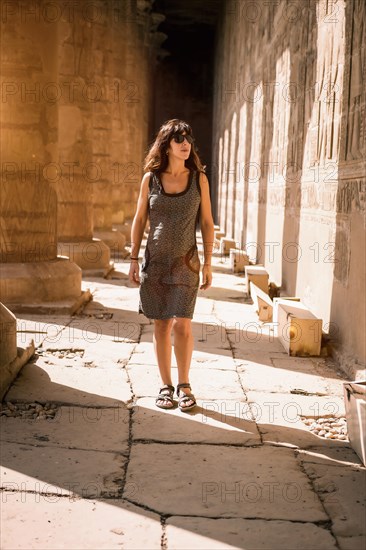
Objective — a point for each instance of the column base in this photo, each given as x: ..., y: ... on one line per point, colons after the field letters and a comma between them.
x: 115, y: 240
x: 125, y: 229
x: 10, y: 371
x: 92, y: 254
x: 118, y: 217
x: 8, y: 336
x: 39, y: 282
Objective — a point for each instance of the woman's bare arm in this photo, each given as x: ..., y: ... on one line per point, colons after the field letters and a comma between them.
x: 140, y: 218
x: 207, y: 224
x: 138, y: 227
x: 207, y: 230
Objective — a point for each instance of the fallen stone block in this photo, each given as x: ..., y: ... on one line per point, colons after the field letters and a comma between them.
x: 262, y: 302
x: 238, y: 260
x: 258, y: 275
x: 219, y: 234
x: 276, y: 301
x: 299, y: 330
x: 225, y: 245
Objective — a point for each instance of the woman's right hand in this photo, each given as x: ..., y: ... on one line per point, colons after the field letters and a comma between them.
x: 134, y: 274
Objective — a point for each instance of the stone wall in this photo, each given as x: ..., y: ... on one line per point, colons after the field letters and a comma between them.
x: 289, y: 152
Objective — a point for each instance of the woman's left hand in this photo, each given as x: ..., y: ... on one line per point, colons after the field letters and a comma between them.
x: 206, y: 277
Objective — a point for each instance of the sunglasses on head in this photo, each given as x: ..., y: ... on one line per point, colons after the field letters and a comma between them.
x: 179, y: 138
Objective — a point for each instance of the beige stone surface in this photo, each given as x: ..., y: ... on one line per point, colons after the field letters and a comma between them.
x: 88, y: 254
x: 216, y: 422
x: 10, y: 371
x: 8, y: 343
x: 278, y: 416
x: 76, y: 523
x: 73, y: 427
x: 223, y: 481
x: 47, y: 469
x: 96, y: 328
x: 251, y: 534
x: 251, y: 337
x: 74, y: 385
x: 282, y: 376
x: 340, y: 487
x: 232, y: 471
x: 37, y: 282
x: 145, y: 380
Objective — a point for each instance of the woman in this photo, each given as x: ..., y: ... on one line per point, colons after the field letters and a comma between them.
x: 174, y: 194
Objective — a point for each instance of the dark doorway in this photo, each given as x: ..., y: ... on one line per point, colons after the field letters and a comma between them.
x: 184, y: 73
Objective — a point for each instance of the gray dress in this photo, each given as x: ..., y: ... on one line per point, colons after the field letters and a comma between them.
x: 170, y: 268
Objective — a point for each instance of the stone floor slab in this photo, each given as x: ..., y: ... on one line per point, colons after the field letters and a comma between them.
x: 337, y: 456
x: 204, y: 306
x: 213, y: 422
x: 342, y: 491
x: 209, y: 361
x: 143, y: 354
x: 248, y: 534
x: 222, y: 481
x: 95, y: 330
x: 74, y: 428
x: 145, y: 378
x: 274, y: 379
x: 54, y: 523
x: 103, y: 354
x: 278, y: 416
x: 74, y: 385
x: 45, y: 469
x: 206, y: 384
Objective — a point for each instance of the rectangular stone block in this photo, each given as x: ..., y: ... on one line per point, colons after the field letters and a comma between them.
x: 219, y: 235
x: 299, y: 330
x: 258, y: 275
x: 276, y: 301
x: 226, y: 245
x: 238, y: 260
x: 262, y: 302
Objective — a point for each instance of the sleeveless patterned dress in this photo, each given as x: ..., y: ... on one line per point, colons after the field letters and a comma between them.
x: 170, y: 268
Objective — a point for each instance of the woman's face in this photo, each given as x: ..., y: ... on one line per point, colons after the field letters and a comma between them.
x: 179, y: 150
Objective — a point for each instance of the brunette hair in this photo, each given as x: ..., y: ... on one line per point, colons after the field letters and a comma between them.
x: 157, y: 159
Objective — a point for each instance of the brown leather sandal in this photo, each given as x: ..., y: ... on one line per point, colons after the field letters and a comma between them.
x: 168, y: 396
x: 185, y: 398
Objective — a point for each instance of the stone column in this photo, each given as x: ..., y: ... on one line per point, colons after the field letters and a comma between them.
x: 135, y: 46
x: 102, y: 120
x: 125, y: 97
x: 31, y: 272
x: 136, y: 99
x: 75, y: 184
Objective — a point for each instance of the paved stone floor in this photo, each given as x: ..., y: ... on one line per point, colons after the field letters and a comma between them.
x: 107, y: 469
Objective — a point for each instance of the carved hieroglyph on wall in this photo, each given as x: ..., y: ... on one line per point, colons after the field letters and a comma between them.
x: 253, y: 173
x: 328, y: 85
x: 356, y: 123
x: 281, y: 114
x: 240, y: 176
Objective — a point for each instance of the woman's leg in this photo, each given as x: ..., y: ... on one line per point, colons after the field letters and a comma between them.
x: 163, y: 349
x: 183, y: 348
